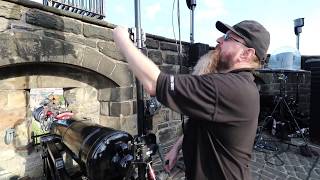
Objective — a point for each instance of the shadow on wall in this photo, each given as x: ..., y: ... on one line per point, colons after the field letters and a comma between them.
x: 21, y: 45
x: 31, y: 76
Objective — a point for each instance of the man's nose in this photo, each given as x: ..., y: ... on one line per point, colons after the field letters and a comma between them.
x: 220, y: 40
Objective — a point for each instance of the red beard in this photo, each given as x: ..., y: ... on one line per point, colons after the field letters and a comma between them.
x: 207, y: 63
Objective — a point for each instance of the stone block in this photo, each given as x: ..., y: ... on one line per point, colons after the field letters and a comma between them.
x: 278, y: 171
x: 93, y: 31
x: 80, y: 40
x: 54, y: 34
x: 52, y: 50
x: 71, y: 38
x: 155, y: 56
x: 34, y: 48
x: 121, y: 108
x: 153, y: 44
x: 22, y: 26
x: 104, y: 108
x: 73, y: 53
x: 267, y: 174
x: 91, y: 59
x: 170, y: 69
x: 8, y: 49
x: 4, y: 99
x: 175, y: 123
x: 4, y: 24
x: 171, y: 59
x: 129, y: 124
x: 115, y: 94
x: 112, y: 122
x: 83, y: 102
x: 29, y: 46
x: 72, y: 25
x: 166, y: 135
x: 44, y: 19
x: 109, y: 49
x: 70, y: 96
x: 21, y: 135
x: 10, y: 10
x: 163, y: 125
x: 106, y: 66
x: 10, y: 117
x: 169, y: 46
x: 184, y: 61
x: 122, y: 75
x: 162, y: 117
x: 51, y: 21
x: 175, y: 115
x: 17, y: 99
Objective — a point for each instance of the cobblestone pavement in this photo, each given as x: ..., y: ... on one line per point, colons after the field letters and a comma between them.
x: 287, y: 163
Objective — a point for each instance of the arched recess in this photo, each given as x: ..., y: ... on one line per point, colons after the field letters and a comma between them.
x: 81, y: 88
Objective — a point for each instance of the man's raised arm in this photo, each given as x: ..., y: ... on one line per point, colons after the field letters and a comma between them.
x: 142, y: 67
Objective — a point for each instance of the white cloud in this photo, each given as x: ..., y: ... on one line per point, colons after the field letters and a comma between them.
x: 281, y: 35
x: 210, y: 9
x: 152, y: 10
x: 309, y: 38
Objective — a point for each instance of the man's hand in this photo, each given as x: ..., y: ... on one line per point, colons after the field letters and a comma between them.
x: 172, y: 156
x: 141, y: 66
x: 120, y: 35
x: 171, y: 159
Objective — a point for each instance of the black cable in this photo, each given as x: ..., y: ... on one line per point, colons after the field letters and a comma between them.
x: 172, y: 23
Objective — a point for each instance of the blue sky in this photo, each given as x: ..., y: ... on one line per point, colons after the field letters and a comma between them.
x: 276, y: 15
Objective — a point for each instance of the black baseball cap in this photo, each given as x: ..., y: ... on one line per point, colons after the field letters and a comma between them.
x: 252, y: 32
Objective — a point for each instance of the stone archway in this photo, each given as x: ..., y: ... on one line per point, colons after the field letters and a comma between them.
x: 90, y: 95
x: 25, y: 47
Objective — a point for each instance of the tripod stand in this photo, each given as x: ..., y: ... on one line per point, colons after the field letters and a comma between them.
x: 282, y: 105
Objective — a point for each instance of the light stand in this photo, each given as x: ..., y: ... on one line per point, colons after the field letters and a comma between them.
x: 282, y: 104
x: 298, y: 24
x: 144, y: 143
x: 191, y: 5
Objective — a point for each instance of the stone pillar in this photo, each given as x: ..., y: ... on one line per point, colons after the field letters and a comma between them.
x: 118, y: 108
x: 83, y: 102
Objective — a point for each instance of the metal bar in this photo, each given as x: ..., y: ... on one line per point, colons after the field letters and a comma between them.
x: 140, y: 92
x: 298, y: 41
x: 91, y: 8
x: 192, y: 25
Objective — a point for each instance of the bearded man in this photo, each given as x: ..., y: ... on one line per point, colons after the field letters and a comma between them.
x: 223, y: 107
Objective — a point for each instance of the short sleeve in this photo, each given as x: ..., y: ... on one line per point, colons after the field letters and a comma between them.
x: 194, y: 96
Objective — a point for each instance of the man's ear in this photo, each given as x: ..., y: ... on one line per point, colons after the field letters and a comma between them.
x: 248, y: 53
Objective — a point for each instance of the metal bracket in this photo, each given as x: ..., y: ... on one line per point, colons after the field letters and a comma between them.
x: 133, y: 37
x: 9, y: 135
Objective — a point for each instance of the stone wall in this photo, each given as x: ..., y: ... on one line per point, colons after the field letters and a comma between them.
x: 293, y: 86
x: 44, y: 47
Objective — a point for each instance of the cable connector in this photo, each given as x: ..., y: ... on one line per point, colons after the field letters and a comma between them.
x: 134, y: 38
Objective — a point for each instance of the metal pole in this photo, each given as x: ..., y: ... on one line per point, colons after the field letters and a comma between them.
x: 298, y: 41
x: 192, y: 25
x: 140, y: 98
x: 192, y: 8
x: 138, y: 23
